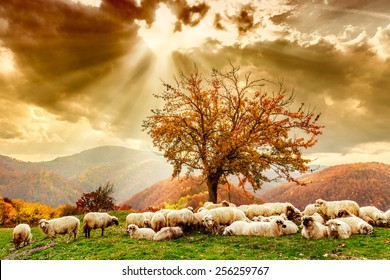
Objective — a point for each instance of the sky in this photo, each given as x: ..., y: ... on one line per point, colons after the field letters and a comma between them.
x: 77, y: 74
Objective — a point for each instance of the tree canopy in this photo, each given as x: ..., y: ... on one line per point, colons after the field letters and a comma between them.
x: 228, y: 124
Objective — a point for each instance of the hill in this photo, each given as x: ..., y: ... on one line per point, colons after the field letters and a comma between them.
x: 185, y: 192
x: 64, y: 179
x: 366, y: 183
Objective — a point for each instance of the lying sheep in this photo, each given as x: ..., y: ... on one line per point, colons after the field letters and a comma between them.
x: 138, y: 219
x: 371, y: 213
x: 222, y: 216
x: 287, y: 208
x: 22, y: 235
x: 64, y: 225
x: 180, y: 218
x: 338, y: 229
x: 236, y: 228
x: 140, y: 233
x: 358, y: 225
x: 272, y: 228
x: 209, y: 205
x: 168, y: 233
x: 313, y: 229
x: 94, y: 220
x: 330, y: 209
x: 158, y: 221
x: 291, y: 228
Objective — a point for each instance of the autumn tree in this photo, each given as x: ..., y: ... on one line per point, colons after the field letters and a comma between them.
x: 229, y: 125
x: 99, y: 200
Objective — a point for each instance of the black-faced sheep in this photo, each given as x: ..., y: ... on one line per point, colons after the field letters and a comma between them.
x: 369, y: 213
x: 313, y: 229
x: 168, y: 233
x: 64, y: 225
x: 22, y: 235
x: 95, y: 220
x: 140, y: 233
x: 338, y: 229
x: 358, y: 225
x: 330, y: 209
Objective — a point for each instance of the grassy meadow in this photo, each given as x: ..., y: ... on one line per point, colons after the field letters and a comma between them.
x: 115, y: 245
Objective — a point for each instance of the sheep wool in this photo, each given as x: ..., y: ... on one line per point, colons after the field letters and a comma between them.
x: 158, y: 221
x: 168, y: 233
x: 371, y: 213
x: 313, y: 229
x: 64, y: 225
x: 140, y: 233
x: 358, y: 225
x: 22, y: 235
x: 95, y: 220
x: 338, y: 229
x: 330, y: 209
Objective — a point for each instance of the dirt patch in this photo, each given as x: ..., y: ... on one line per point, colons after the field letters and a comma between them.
x: 24, y: 254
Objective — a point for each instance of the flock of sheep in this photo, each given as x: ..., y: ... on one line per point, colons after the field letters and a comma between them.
x: 337, y: 219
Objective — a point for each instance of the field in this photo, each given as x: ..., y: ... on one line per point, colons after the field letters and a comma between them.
x: 115, y: 245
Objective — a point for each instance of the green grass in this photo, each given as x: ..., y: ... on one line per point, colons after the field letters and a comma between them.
x: 115, y: 245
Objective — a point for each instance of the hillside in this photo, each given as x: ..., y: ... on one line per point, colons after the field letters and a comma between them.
x: 185, y: 192
x: 366, y: 183
x: 64, y: 179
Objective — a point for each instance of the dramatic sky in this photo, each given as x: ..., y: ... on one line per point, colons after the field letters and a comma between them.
x: 76, y: 74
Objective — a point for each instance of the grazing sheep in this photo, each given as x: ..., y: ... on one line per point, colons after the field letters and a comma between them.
x: 94, y: 220
x: 272, y: 228
x: 330, y: 209
x: 140, y: 233
x: 222, y: 216
x: 358, y: 225
x: 338, y: 229
x: 64, y: 225
x: 180, y: 218
x: 369, y: 213
x: 158, y: 221
x: 168, y: 233
x: 138, y: 219
x: 313, y: 229
x: 236, y: 228
x: 22, y: 235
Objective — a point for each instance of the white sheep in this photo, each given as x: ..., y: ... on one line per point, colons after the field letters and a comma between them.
x: 287, y: 208
x: 180, y: 218
x: 291, y: 228
x: 140, y: 233
x: 310, y: 209
x: 313, y: 229
x: 330, y: 209
x: 387, y: 214
x: 209, y: 205
x: 21, y: 235
x: 138, y: 219
x: 254, y: 210
x: 222, y: 216
x: 369, y: 213
x: 272, y: 228
x: 168, y: 233
x: 197, y: 223
x: 236, y: 228
x: 95, y: 220
x: 338, y: 229
x: 64, y: 225
x: 158, y: 221
x: 358, y: 225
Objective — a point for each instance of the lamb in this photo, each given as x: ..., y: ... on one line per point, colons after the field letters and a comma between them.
x: 64, y: 225
x: 313, y: 229
x: 158, y: 221
x: 378, y: 217
x: 94, y: 220
x: 140, y: 233
x: 358, y: 225
x: 222, y: 216
x: 330, y: 209
x: 138, y: 219
x: 22, y: 235
x: 236, y: 228
x: 338, y: 229
x: 182, y: 218
x: 272, y: 228
x: 168, y: 233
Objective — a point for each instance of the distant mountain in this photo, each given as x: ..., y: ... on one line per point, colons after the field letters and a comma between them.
x: 366, y: 183
x: 64, y: 179
x: 185, y: 192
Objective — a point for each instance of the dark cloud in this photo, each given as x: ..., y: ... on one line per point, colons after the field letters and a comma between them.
x: 244, y: 19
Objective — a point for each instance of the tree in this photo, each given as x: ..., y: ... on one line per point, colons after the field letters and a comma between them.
x: 229, y: 125
x: 98, y: 200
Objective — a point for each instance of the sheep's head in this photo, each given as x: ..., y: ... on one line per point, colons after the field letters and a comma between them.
x: 208, y: 221
x: 343, y: 213
x: 146, y: 223
x: 225, y: 203
x: 227, y: 231
x: 380, y: 219
x: 279, y: 222
x: 131, y: 229
x: 332, y: 225
x: 320, y: 203
x: 43, y: 223
x: 307, y: 221
x: 114, y: 220
x: 365, y: 229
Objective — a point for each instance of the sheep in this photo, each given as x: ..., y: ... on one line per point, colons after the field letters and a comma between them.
x: 272, y: 228
x: 338, y: 229
x: 378, y: 217
x: 209, y: 205
x: 317, y: 217
x: 138, y: 219
x: 222, y: 216
x: 94, y: 220
x: 236, y: 228
x: 387, y: 214
x: 182, y: 218
x: 197, y: 222
x: 291, y: 228
x: 330, y: 209
x: 287, y: 208
x: 21, y: 235
x: 358, y: 225
x: 310, y: 209
x: 140, y: 233
x: 254, y: 210
x: 168, y: 233
x: 158, y: 221
x: 313, y: 229
x: 64, y: 225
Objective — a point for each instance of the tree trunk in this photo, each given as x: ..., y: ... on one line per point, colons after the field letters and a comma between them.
x: 212, y: 184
